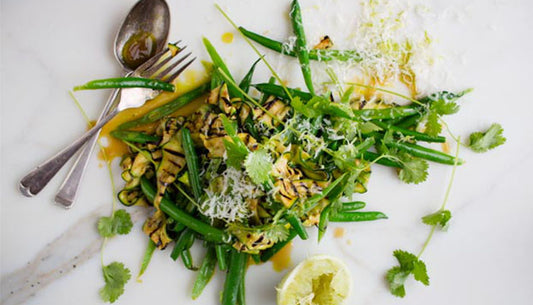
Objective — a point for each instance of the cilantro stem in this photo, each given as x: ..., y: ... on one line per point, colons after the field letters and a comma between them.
x: 446, y: 196
x: 383, y: 90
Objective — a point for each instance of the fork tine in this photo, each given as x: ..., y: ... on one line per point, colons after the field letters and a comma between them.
x: 152, y: 70
x: 147, y: 64
x: 172, y: 77
x: 163, y: 55
x: 163, y: 72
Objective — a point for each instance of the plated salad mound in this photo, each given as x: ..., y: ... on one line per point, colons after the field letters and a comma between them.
x: 259, y: 163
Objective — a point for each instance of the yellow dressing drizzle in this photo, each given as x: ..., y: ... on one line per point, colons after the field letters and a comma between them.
x: 282, y: 259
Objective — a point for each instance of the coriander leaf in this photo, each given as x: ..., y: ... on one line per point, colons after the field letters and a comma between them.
x: 122, y: 222
x: 433, y: 126
x: 484, y: 141
x: 235, y: 153
x: 409, y: 264
x: 115, y: 277
x: 300, y: 107
x: 405, y: 259
x: 420, y: 272
x: 236, y: 150
x: 319, y: 105
x: 442, y: 107
x: 258, y: 165
x: 105, y: 226
x: 118, y: 223
x: 277, y: 233
x: 415, y: 170
x: 440, y: 218
x: 396, y: 278
x: 440, y: 103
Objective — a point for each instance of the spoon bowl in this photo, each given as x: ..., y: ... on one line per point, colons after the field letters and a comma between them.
x: 143, y: 33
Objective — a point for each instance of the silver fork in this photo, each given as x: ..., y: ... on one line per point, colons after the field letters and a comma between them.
x: 68, y: 190
x: 166, y: 66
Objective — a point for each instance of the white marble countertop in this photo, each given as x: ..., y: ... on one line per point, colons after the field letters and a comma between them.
x: 51, y: 256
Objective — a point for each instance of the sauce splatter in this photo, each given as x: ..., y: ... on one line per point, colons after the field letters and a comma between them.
x: 445, y: 147
x: 282, y: 259
x: 227, y: 37
x: 338, y: 232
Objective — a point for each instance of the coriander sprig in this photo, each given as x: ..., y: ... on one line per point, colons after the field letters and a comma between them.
x: 116, y: 275
x: 410, y: 264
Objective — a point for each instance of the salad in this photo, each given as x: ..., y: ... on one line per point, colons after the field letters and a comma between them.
x: 259, y: 163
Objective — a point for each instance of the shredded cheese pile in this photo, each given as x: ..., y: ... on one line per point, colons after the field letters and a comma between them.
x: 229, y: 203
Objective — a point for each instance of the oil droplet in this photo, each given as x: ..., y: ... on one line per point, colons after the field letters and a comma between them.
x: 282, y: 259
x: 139, y: 47
x: 445, y: 147
x: 227, y: 37
x: 338, y: 232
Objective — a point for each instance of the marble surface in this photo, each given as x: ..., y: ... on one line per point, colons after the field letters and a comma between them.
x: 51, y: 256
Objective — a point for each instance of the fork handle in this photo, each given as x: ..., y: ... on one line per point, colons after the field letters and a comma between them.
x: 69, y: 188
x: 39, y: 177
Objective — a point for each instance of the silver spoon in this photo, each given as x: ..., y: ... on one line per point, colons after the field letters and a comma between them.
x: 143, y: 33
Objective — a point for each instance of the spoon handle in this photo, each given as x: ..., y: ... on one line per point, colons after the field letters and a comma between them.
x: 69, y: 188
x: 39, y: 177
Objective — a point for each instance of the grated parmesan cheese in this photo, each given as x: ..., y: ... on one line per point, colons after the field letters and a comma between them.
x: 228, y: 203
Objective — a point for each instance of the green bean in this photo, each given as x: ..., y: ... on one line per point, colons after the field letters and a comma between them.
x: 264, y: 97
x: 301, y: 44
x: 424, y: 153
x: 268, y: 253
x: 297, y: 226
x: 352, y: 206
x: 186, y: 258
x: 147, y: 257
x: 126, y: 82
x: 241, y: 297
x: 234, y: 277
x: 207, y: 269
x: 320, y: 55
x: 168, y: 207
x: 219, y: 63
x: 185, y: 241
x: 220, y: 251
x: 386, y: 113
x: 356, y: 216
x: 168, y: 108
x: 416, y: 135
x: 247, y: 79
x: 192, y: 163
x: 135, y: 136
x: 372, y: 156
x: 409, y: 121
x: 323, y: 222
x: 315, y: 199
x: 278, y: 91
x: 256, y: 258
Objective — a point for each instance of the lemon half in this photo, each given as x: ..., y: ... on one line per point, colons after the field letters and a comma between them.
x: 318, y: 280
